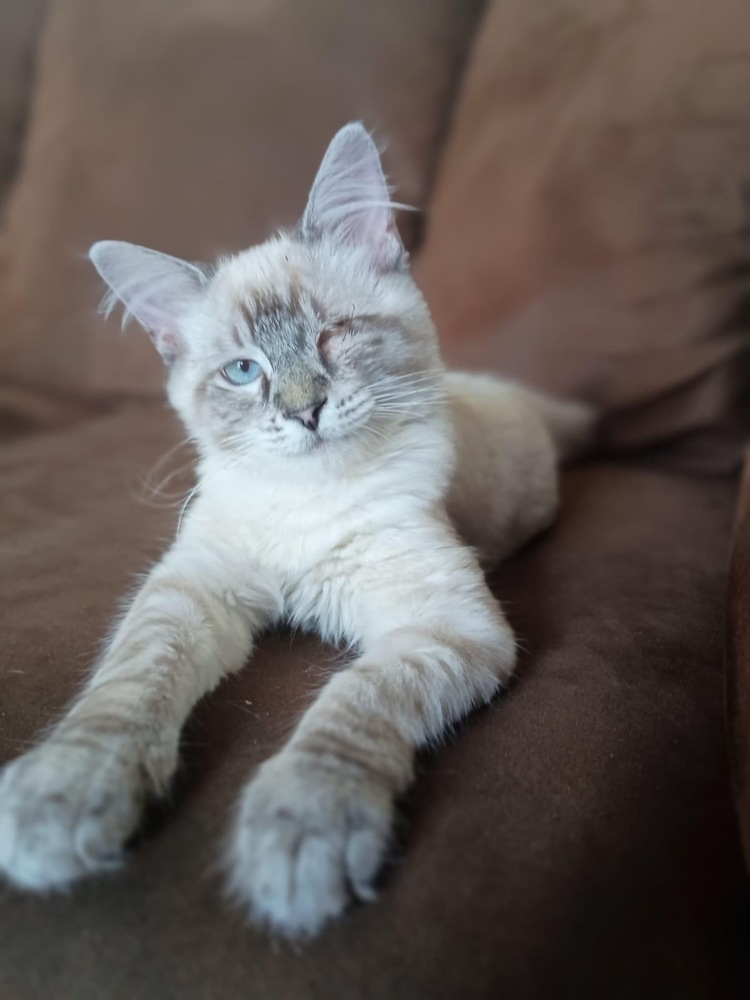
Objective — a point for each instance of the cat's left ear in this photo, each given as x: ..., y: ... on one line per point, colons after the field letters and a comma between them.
x: 158, y: 290
x: 349, y: 199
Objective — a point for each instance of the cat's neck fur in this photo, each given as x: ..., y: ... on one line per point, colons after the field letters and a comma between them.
x: 413, y: 466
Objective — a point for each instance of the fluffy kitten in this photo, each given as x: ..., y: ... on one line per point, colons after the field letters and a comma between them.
x: 337, y: 461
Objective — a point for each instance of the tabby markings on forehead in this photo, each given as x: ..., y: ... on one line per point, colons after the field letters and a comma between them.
x: 280, y: 321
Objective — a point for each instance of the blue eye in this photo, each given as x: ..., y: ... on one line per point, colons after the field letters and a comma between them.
x: 241, y: 372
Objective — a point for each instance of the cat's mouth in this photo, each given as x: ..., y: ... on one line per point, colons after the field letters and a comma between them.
x: 321, y: 438
x: 313, y: 441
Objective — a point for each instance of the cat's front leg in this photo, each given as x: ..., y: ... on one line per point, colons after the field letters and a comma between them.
x: 315, y: 823
x: 68, y: 806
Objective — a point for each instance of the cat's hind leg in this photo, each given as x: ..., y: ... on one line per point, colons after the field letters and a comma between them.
x: 510, y: 442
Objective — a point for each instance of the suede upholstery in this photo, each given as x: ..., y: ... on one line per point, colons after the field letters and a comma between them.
x: 576, y: 839
x: 196, y: 128
x: 20, y: 25
x: 589, y: 215
x: 738, y: 659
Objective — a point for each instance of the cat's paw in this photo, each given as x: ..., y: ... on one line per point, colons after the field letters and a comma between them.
x: 66, y: 810
x: 308, y: 840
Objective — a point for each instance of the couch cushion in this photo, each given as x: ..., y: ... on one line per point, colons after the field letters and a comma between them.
x: 196, y: 128
x: 738, y: 658
x: 588, y: 227
x: 20, y: 27
x: 575, y: 840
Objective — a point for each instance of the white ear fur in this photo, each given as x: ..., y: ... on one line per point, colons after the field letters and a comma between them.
x: 154, y: 288
x: 349, y: 199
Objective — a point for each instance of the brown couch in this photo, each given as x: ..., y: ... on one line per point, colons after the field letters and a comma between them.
x: 582, y: 168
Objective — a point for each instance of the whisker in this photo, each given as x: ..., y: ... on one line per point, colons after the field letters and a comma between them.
x: 149, y: 489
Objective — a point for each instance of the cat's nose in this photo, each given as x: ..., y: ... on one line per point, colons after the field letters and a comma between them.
x: 310, y: 416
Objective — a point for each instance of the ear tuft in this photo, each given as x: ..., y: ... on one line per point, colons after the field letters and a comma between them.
x: 156, y: 289
x: 350, y: 201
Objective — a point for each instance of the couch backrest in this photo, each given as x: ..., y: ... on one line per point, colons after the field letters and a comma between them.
x: 588, y: 227
x: 20, y: 26
x: 197, y: 128
x: 589, y: 221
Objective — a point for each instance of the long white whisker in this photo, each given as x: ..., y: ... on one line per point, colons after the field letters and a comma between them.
x: 185, y: 505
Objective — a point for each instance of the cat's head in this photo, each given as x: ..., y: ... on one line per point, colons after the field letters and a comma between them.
x: 315, y: 340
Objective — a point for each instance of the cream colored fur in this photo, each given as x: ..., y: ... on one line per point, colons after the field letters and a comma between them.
x: 348, y: 529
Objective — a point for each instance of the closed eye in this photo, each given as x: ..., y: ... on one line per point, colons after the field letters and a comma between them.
x: 241, y: 372
x: 337, y: 327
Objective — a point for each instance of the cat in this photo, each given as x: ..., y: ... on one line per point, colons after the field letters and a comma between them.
x: 347, y: 484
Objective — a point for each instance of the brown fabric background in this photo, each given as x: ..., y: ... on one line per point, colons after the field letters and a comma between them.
x: 20, y: 28
x: 738, y: 658
x: 576, y: 839
x: 589, y: 205
x: 197, y: 127
x: 588, y: 228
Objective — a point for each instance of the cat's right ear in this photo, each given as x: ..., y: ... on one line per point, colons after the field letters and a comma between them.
x: 156, y: 289
x: 350, y: 202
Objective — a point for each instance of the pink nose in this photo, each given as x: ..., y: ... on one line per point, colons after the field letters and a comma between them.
x: 310, y: 416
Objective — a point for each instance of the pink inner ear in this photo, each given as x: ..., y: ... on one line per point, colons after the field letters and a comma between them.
x: 154, y: 288
x: 167, y: 343
x: 349, y: 199
x: 391, y: 247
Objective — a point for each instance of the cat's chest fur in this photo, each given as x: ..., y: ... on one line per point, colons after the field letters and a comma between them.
x: 329, y: 537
